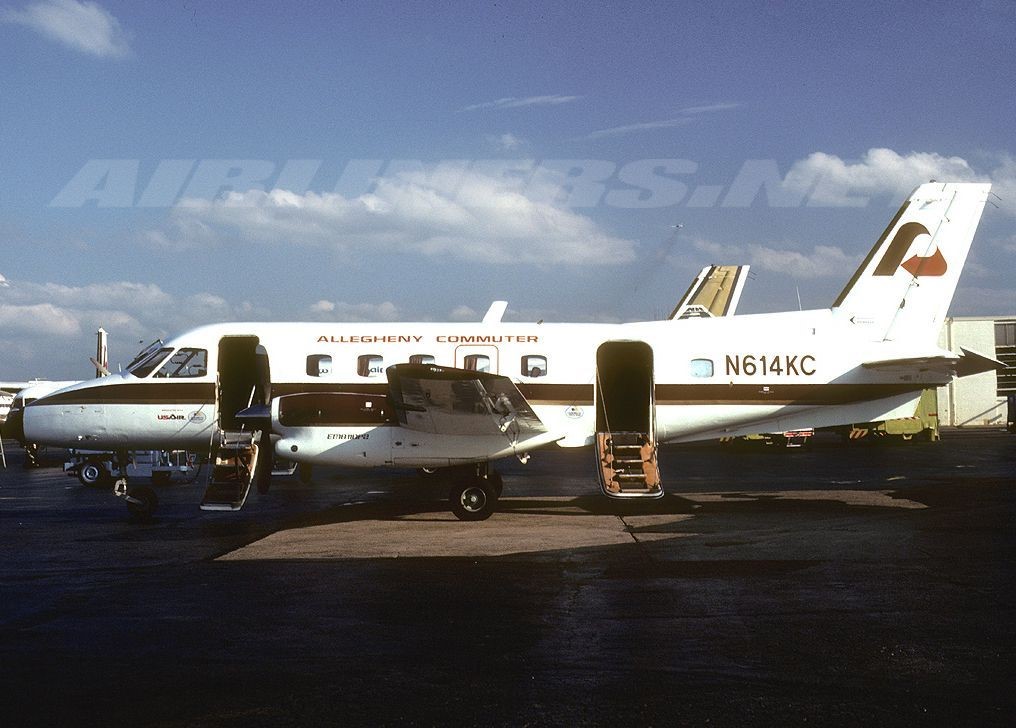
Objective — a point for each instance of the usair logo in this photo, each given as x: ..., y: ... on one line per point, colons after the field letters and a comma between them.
x: 930, y: 266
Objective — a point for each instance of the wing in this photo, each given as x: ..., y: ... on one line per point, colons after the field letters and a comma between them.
x: 448, y: 401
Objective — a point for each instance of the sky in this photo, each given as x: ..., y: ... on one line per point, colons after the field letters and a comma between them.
x: 171, y: 164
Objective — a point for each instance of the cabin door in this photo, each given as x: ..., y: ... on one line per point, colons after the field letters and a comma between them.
x: 626, y: 420
x: 243, y: 379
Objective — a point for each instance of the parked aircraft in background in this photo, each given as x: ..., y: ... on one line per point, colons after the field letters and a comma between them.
x: 459, y: 396
x: 715, y: 291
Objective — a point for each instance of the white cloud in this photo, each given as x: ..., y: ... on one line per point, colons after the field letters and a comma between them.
x: 83, y: 26
x: 820, y: 262
x: 507, y: 142
x: 449, y: 213
x: 56, y: 323
x: 464, y: 313
x: 96, y: 295
x: 342, y: 311
x: 830, y: 181
x: 322, y: 307
x: 684, y: 116
x: 515, y: 102
x: 39, y: 318
x: 641, y: 126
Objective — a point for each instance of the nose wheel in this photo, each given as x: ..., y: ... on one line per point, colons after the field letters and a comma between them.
x: 141, y: 500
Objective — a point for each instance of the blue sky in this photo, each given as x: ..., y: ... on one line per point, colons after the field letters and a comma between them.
x: 412, y: 161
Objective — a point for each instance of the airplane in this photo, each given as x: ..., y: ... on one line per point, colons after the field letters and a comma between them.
x: 459, y: 396
x: 11, y: 426
x: 716, y: 291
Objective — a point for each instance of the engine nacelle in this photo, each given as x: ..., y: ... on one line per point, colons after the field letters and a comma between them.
x: 333, y: 428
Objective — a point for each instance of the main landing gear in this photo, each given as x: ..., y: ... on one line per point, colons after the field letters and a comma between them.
x: 474, y: 492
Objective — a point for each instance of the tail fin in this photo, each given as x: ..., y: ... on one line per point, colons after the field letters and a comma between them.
x: 903, y: 288
x: 714, y: 292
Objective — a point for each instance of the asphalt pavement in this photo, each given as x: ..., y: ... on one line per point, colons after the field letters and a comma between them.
x: 836, y: 584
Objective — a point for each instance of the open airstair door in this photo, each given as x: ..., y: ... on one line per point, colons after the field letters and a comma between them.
x: 626, y: 421
x: 238, y: 451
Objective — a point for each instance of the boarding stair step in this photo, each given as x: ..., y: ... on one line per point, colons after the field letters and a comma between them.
x: 232, y: 470
x: 628, y: 467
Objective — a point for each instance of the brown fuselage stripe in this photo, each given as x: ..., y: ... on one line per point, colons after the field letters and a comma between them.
x: 200, y: 393
x: 136, y: 393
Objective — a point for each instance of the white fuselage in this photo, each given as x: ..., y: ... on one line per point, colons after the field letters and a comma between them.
x: 712, y: 378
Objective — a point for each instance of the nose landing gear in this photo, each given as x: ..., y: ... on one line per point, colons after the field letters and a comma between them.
x: 141, y: 500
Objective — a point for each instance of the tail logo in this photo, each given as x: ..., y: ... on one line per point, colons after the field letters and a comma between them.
x: 931, y: 265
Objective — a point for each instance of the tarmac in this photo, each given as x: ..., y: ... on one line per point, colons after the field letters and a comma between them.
x: 837, y: 584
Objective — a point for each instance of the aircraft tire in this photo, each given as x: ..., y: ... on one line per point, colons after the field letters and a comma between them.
x: 161, y: 477
x: 305, y: 471
x: 473, y: 500
x: 92, y: 474
x: 148, y: 501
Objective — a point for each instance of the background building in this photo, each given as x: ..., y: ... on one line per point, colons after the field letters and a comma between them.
x: 981, y: 399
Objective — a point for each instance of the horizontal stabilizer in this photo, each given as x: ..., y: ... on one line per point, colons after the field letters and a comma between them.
x: 971, y: 362
x: 448, y: 401
x: 934, y: 362
x: 967, y: 363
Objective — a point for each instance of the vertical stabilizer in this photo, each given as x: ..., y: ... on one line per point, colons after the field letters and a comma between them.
x: 716, y: 290
x: 903, y: 288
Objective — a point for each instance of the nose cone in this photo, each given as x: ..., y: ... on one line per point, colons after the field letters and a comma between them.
x: 67, y: 417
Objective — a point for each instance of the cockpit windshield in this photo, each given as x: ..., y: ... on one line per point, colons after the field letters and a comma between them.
x: 185, y: 363
x: 144, y: 363
x: 144, y: 354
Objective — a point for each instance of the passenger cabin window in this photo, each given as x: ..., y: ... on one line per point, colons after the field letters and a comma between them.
x: 145, y: 365
x: 702, y: 368
x: 534, y: 366
x: 319, y: 365
x: 477, y: 362
x: 421, y: 359
x: 370, y: 365
x: 184, y: 364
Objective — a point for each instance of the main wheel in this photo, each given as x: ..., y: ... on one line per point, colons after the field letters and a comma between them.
x: 473, y: 500
x: 305, y: 471
x: 92, y: 474
x: 142, y: 502
x: 161, y: 477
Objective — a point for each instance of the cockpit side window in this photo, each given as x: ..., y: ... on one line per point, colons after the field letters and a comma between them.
x: 144, y: 365
x: 185, y: 363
